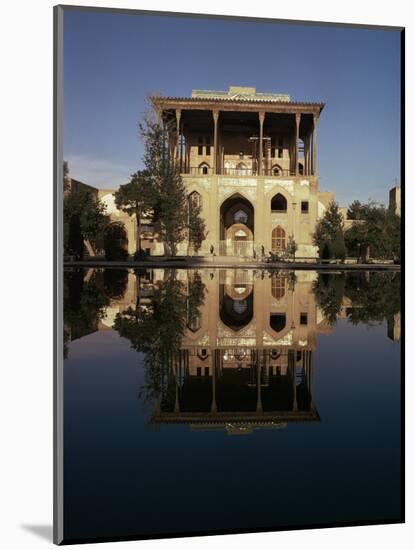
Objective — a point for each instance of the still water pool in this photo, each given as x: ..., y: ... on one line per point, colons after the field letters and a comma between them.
x: 211, y: 400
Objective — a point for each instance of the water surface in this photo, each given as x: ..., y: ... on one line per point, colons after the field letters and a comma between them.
x: 228, y: 400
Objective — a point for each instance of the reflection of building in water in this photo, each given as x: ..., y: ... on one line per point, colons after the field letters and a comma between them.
x: 394, y: 328
x: 246, y: 360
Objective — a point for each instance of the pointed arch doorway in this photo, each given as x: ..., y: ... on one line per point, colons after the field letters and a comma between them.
x: 237, y: 227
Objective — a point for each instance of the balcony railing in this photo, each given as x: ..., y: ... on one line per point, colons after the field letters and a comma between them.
x: 241, y: 172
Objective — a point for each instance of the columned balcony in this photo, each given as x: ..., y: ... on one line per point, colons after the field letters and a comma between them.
x: 239, y: 172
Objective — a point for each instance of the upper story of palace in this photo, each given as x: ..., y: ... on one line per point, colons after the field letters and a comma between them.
x: 241, y: 132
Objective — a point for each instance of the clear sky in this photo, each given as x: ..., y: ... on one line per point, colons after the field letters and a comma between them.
x: 112, y: 61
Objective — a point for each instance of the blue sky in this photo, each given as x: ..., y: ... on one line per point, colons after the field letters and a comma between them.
x: 112, y: 61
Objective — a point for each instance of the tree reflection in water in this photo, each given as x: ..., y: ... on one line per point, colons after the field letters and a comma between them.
x: 156, y: 328
x: 161, y: 316
x: 87, y: 294
x: 372, y: 296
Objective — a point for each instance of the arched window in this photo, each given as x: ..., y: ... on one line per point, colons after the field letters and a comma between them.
x: 276, y: 170
x: 277, y: 321
x: 279, y: 239
x: 278, y: 286
x: 204, y: 168
x: 279, y: 203
x: 301, y: 168
x: 195, y: 200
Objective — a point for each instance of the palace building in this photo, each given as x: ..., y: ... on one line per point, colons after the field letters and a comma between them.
x: 250, y: 160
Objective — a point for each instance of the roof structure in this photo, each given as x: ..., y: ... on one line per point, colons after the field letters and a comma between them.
x: 237, y: 98
x: 240, y: 93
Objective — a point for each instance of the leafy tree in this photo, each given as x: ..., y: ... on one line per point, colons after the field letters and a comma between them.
x: 159, y: 189
x: 328, y: 236
x: 170, y: 213
x: 196, y: 225
x: 115, y: 241
x: 292, y: 246
x: 377, y: 233
x: 66, y: 177
x: 357, y: 211
x: 356, y: 240
x: 337, y: 246
x: 136, y: 198
x: 84, y: 218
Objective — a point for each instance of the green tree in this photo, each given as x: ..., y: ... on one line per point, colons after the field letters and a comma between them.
x: 196, y: 225
x: 292, y: 246
x: 328, y: 236
x: 136, y: 198
x: 115, y: 241
x: 357, y: 211
x: 356, y: 241
x: 84, y: 218
x: 338, y: 247
x: 169, y: 208
x: 377, y: 233
x: 66, y: 177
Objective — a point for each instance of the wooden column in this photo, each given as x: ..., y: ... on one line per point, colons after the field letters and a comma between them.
x: 315, y: 120
x: 297, y: 131
x: 215, y: 140
x: 181, y: 134
x: 261, y: 137
x: 178, y: 117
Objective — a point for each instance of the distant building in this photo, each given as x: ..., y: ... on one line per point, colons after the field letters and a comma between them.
x: 347, y: 224
x: 395, y: 199
x: 76, y: 185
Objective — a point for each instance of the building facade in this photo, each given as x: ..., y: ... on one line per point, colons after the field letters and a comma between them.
x: 395, y: 200
x: 250, y: 160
